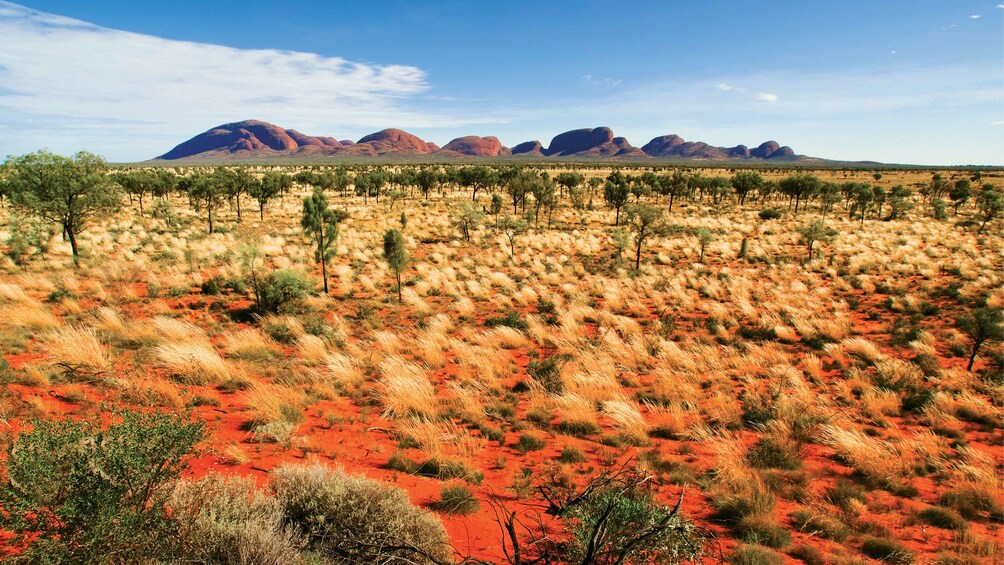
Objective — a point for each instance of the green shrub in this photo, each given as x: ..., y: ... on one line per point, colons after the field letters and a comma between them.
x: 971, y: 502
x: 887, y: 550
x: 627, y: 512
x: 75, y: 492
x: 769, y: 454
x: 547, y: 372
x: 943, y: 518
x: 755, y: 555
x: 457, y: 499
x: 352, y: 519
x: 571, y: 454
x: 763, y: 530
x: 511, y: 319
x: 529, y: 442
x: 279, y: 290
x: 807, y: 554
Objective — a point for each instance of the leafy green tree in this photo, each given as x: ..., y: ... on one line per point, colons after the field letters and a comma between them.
x: 646, y: 221
x: 240, y: 183
x: 815, y: 230
x: 704, y: 237
x: 991, y: 205
x: 269, y: 187
x: 137, y: 183
x: 426, y: 179
x: 980, y: 325
x: 320, y: 223
x: 496, y: 207
x: 466, y: 218
x: 69, y: 191
x: 744, y: 183
x: 799, y: 187
x: 959, y: 194
x: 477, y: 177
x: 513, y: 227
x: 616, y: 192
x: 544, y: 198
x: 518, y: 185
x: 396, y: 256
x: 78, y: 492
x: 569, y: 180
x: 205, y: 193
x: 899, y: 202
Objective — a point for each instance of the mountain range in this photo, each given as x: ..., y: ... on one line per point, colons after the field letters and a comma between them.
x: 254, y: 139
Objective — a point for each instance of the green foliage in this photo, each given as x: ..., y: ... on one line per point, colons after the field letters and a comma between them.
x: 529, y: 442
x: 351, y: 519
x: 770, y: 213
x: 815, y: 230
x: 466, y: 219
x: 69, y: 191
x: 763, y: 530
x: 624, y: 524
x: 616, y: 192
x: 279, y: 290
x: 396, y: 256
x: 943, y: 518
x: 456, y: 499
x: 75, y: 492
x: 547, y: 372
x: 320, y: 224
x: 887, y: 550
x: 510, y: 319
x: 747, y: 554
x: 768, y: 453
x: 980, y: 325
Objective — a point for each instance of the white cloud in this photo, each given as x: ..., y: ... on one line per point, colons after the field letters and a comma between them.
x: 767, y: 97
x: 83, y: 81
x: 975, y: 17
x: 724, y: 86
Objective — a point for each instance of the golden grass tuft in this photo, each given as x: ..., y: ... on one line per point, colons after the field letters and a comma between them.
x: 76, y: 348
x: 193, y: 363
x: 406, y: 389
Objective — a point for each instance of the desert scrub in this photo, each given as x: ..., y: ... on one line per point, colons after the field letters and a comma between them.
x: 76, y: 351
x: 228, y: 520
x: 350, y: 518
x: 193, y: 363
x: 75, y: 491
x: 528, y: 443
x: 456, y: 499
x: 886, y: 549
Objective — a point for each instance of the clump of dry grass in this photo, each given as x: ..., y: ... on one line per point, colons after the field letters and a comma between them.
x: 885, y: 462
x: 628, y: 419
x: 406, y: 389
x: 251, y: 344
x: 194, y: 363
x: 76, y: 348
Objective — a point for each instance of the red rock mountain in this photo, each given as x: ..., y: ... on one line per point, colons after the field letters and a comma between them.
x: 253, y: 138
x: 475, y: 146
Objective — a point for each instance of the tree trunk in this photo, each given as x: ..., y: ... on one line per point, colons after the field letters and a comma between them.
x: 637, y: 255
x: 73, y: 247
x: 324, y: 274
x: 261, y: 210
x: 238, y: 199
x: 210, y: 210
x: 400, y: 296
x: 742, y: 248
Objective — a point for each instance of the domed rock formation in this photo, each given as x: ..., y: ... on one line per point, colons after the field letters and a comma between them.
x: 475, y: 146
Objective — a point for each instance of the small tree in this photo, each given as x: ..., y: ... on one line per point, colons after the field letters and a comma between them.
x: 991, y: 204
x: 616, y: 192
x: 320, y: 223
x: 466, y: 218
x: 980, y: 325
x: 496, y: 207
x: 704, y: 237
x: 205, y: 193
x: 138, y: 184
x: 799, y: 187
x: 513, y: 227
x: 744, y: 183
x: 268, y: 187
x: 396, y: 255
x: 814, y: 231
x: 646, y: 221
x: 70, y: 191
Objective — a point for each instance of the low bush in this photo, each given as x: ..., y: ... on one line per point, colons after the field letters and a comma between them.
x: 457, y: 499
x: 887, y: 550
x: 77, y: 491
x: 352, y: 519
x: 942, y: 518
x: 747, y: 554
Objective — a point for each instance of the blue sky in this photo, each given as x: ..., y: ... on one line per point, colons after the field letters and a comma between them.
x: 893, y: 81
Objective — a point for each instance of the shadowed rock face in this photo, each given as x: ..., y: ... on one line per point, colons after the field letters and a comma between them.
x: 475, y: 146
x: 529, y: 148
x: 253, y: 137
x: 250, y: 135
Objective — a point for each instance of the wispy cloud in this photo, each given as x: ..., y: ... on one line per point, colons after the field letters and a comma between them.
x: 56, y: 70
x: 767, y: 97
x: 608, y: 82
